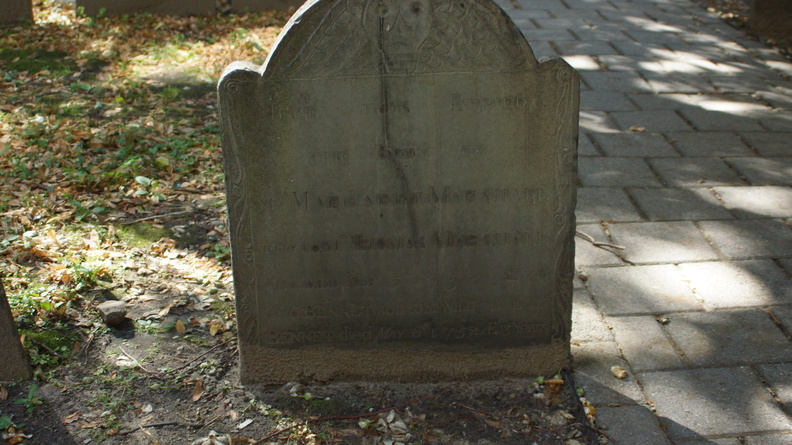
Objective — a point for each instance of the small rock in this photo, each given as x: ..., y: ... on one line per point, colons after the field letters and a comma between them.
x: 48, y: 392
x: 557, y: 419
x: 112, y: 312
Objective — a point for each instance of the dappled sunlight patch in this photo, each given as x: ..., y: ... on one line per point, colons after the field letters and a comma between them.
x: 108, y: 128
x: 597, y: 122
x: 730, y: 106
x: 652, y: 25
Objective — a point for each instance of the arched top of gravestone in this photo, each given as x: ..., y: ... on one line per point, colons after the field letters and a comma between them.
x: 333, y: 38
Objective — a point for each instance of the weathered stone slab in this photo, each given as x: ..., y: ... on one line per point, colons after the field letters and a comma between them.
x: 262, y: 5
x: 93, y: 8
x: 401, y: 180
x: 14, y: 360
x: 15, y: 11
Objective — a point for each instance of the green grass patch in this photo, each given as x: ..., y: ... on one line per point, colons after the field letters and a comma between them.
x: 34, y: 60
x: 142, y: 235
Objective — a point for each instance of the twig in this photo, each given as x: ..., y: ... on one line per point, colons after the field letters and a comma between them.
x: 478, y: 411
x: 277, y: 433
x: 45, y: 347
x: 202, y: 354
x: 88, y: 342
x: 157, y: 425
x: 164, y: 215
x: 213, y: 420
x: 193, y: 191
x: 142, y: 368
x: 598, y: 243
x: 358, y: 416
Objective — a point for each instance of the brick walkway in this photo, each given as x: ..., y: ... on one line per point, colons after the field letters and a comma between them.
x: 685, y: 159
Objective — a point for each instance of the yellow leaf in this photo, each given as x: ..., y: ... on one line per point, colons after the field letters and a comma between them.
x: 180, y: 328
x: 216, y: 327
x: 53, y: 237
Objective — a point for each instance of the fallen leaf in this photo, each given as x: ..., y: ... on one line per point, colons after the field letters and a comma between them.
x: 3, y: 393
x: 494, y: 424
x: 618, y: 372
x: 71, y: 418
x: 180, y: 328
x: 553, y: 386
x: 197, y: 391
x: 54, y: 237
x: 216, y: 327
x: 165, y: 310
x: 43, y: 254
x: 15, y: 440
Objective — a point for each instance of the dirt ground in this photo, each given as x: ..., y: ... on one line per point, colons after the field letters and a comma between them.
x: 129, y: 385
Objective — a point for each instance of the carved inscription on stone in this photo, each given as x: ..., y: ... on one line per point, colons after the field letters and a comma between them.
x: 400, y: 173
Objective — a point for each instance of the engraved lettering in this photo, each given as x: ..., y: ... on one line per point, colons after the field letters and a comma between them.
x: 389, y: 108
x: 481, y: 103
x: 294, y: 112
x: 330, y: 158
x: 433, y: 195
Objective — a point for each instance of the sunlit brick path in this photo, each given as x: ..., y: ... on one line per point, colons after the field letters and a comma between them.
x: 685, y: 158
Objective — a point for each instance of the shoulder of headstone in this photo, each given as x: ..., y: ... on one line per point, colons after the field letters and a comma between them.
x: 240, y: 71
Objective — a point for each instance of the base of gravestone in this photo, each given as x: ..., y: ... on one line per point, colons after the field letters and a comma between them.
x: 263, y: 5
x: 399, y: 364
x: 16, y: 11
x: 14, y: 359
x: 93, y: 8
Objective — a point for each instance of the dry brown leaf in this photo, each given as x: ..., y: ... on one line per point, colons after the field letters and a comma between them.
x: 216, y: 327
x: 553, y: 386
x: 180, y: 327
x: 197, y: 391
x: 71, y: 418
x: 41, y: 253
x: 494, y: 424
x: 165, y: 310
x: 3, y: 393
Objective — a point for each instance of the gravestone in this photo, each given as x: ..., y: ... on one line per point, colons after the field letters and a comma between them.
x: 93, y: 8
x: 263, y: 5
x: 15, y: 11
x: 12, y: 356
x: 400, y: 180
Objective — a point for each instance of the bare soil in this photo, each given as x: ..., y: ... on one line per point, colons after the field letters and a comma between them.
x: 130, y: 386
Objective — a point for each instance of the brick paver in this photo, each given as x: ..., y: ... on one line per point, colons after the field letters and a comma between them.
x: 685, y: 159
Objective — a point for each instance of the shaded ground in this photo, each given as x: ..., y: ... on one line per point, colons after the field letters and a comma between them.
x: 738, y: 13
